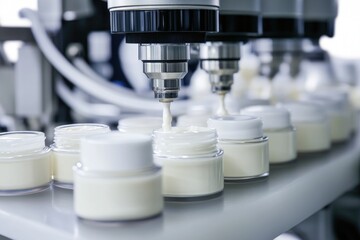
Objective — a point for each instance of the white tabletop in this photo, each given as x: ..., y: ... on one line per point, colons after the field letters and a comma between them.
x: 257, y: 210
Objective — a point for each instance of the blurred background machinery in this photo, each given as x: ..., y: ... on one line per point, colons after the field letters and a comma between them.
x: 103, y: 80
x: 61, y: 64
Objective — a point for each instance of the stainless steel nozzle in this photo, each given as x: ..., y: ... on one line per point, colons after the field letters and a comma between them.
x: 221, y: 61
x: 165, y: 65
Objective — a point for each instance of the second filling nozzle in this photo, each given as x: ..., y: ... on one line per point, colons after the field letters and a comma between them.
x: 221, y: 61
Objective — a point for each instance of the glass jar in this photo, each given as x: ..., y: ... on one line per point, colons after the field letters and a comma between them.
x: 312, y: 127
x: 341, y: 98
x: 25, y: 165
x: 66, y: 150
x: 246, y: 150
x: 191, y: 162
x: 117, y: 179
x: 277, y: 127
x: 338, y: 115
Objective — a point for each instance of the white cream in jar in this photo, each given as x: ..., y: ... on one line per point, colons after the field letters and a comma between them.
x: 246, y: 152
x: 140, y: 124
x: 25, y: 165
x: 342, y: 100
x: 191, y: 162
x: 312, y: 127
x: 117, y: 179
x: 66, y: 150
x: 338, y: 115
x: 277, y: 127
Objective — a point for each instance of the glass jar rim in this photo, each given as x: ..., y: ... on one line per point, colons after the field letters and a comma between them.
x: 64, y: 128
x: 24, y: 156
x: 69, y: 136
x: 219, y: 152
x: 21, y: 142
x: 237, y: 141
x: 185, y: 141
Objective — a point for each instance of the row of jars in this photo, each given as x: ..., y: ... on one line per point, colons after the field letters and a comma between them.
x: 122, y: 176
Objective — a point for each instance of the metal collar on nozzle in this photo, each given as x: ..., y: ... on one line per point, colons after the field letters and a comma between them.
x: 165, y: 65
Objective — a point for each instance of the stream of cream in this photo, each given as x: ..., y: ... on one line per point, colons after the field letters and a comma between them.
x: 167, y: 118
x: 222, y: 111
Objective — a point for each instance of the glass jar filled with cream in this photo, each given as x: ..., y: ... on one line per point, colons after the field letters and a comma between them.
x: 191, y: 162
x: 277, y: 127
x: 338, y: 115
x: 246, y: 151
x: 312, y: 127
x: 66, y: 150
x: 25, y: 165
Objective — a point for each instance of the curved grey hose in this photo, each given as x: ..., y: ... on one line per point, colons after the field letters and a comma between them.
x: 91, y: 110
x: 82, y: 65
x: 103, y: 91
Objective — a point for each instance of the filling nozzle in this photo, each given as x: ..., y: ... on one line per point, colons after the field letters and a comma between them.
x: 221, y: 61
x: 270, y: 64
x: 166, y: 90
x: 273, y: 52
x: 294, y: 61
x: 165, y: 64
x: 221, y: 84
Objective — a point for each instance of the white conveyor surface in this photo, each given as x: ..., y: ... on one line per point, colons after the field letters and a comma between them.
x: 248, y: 211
